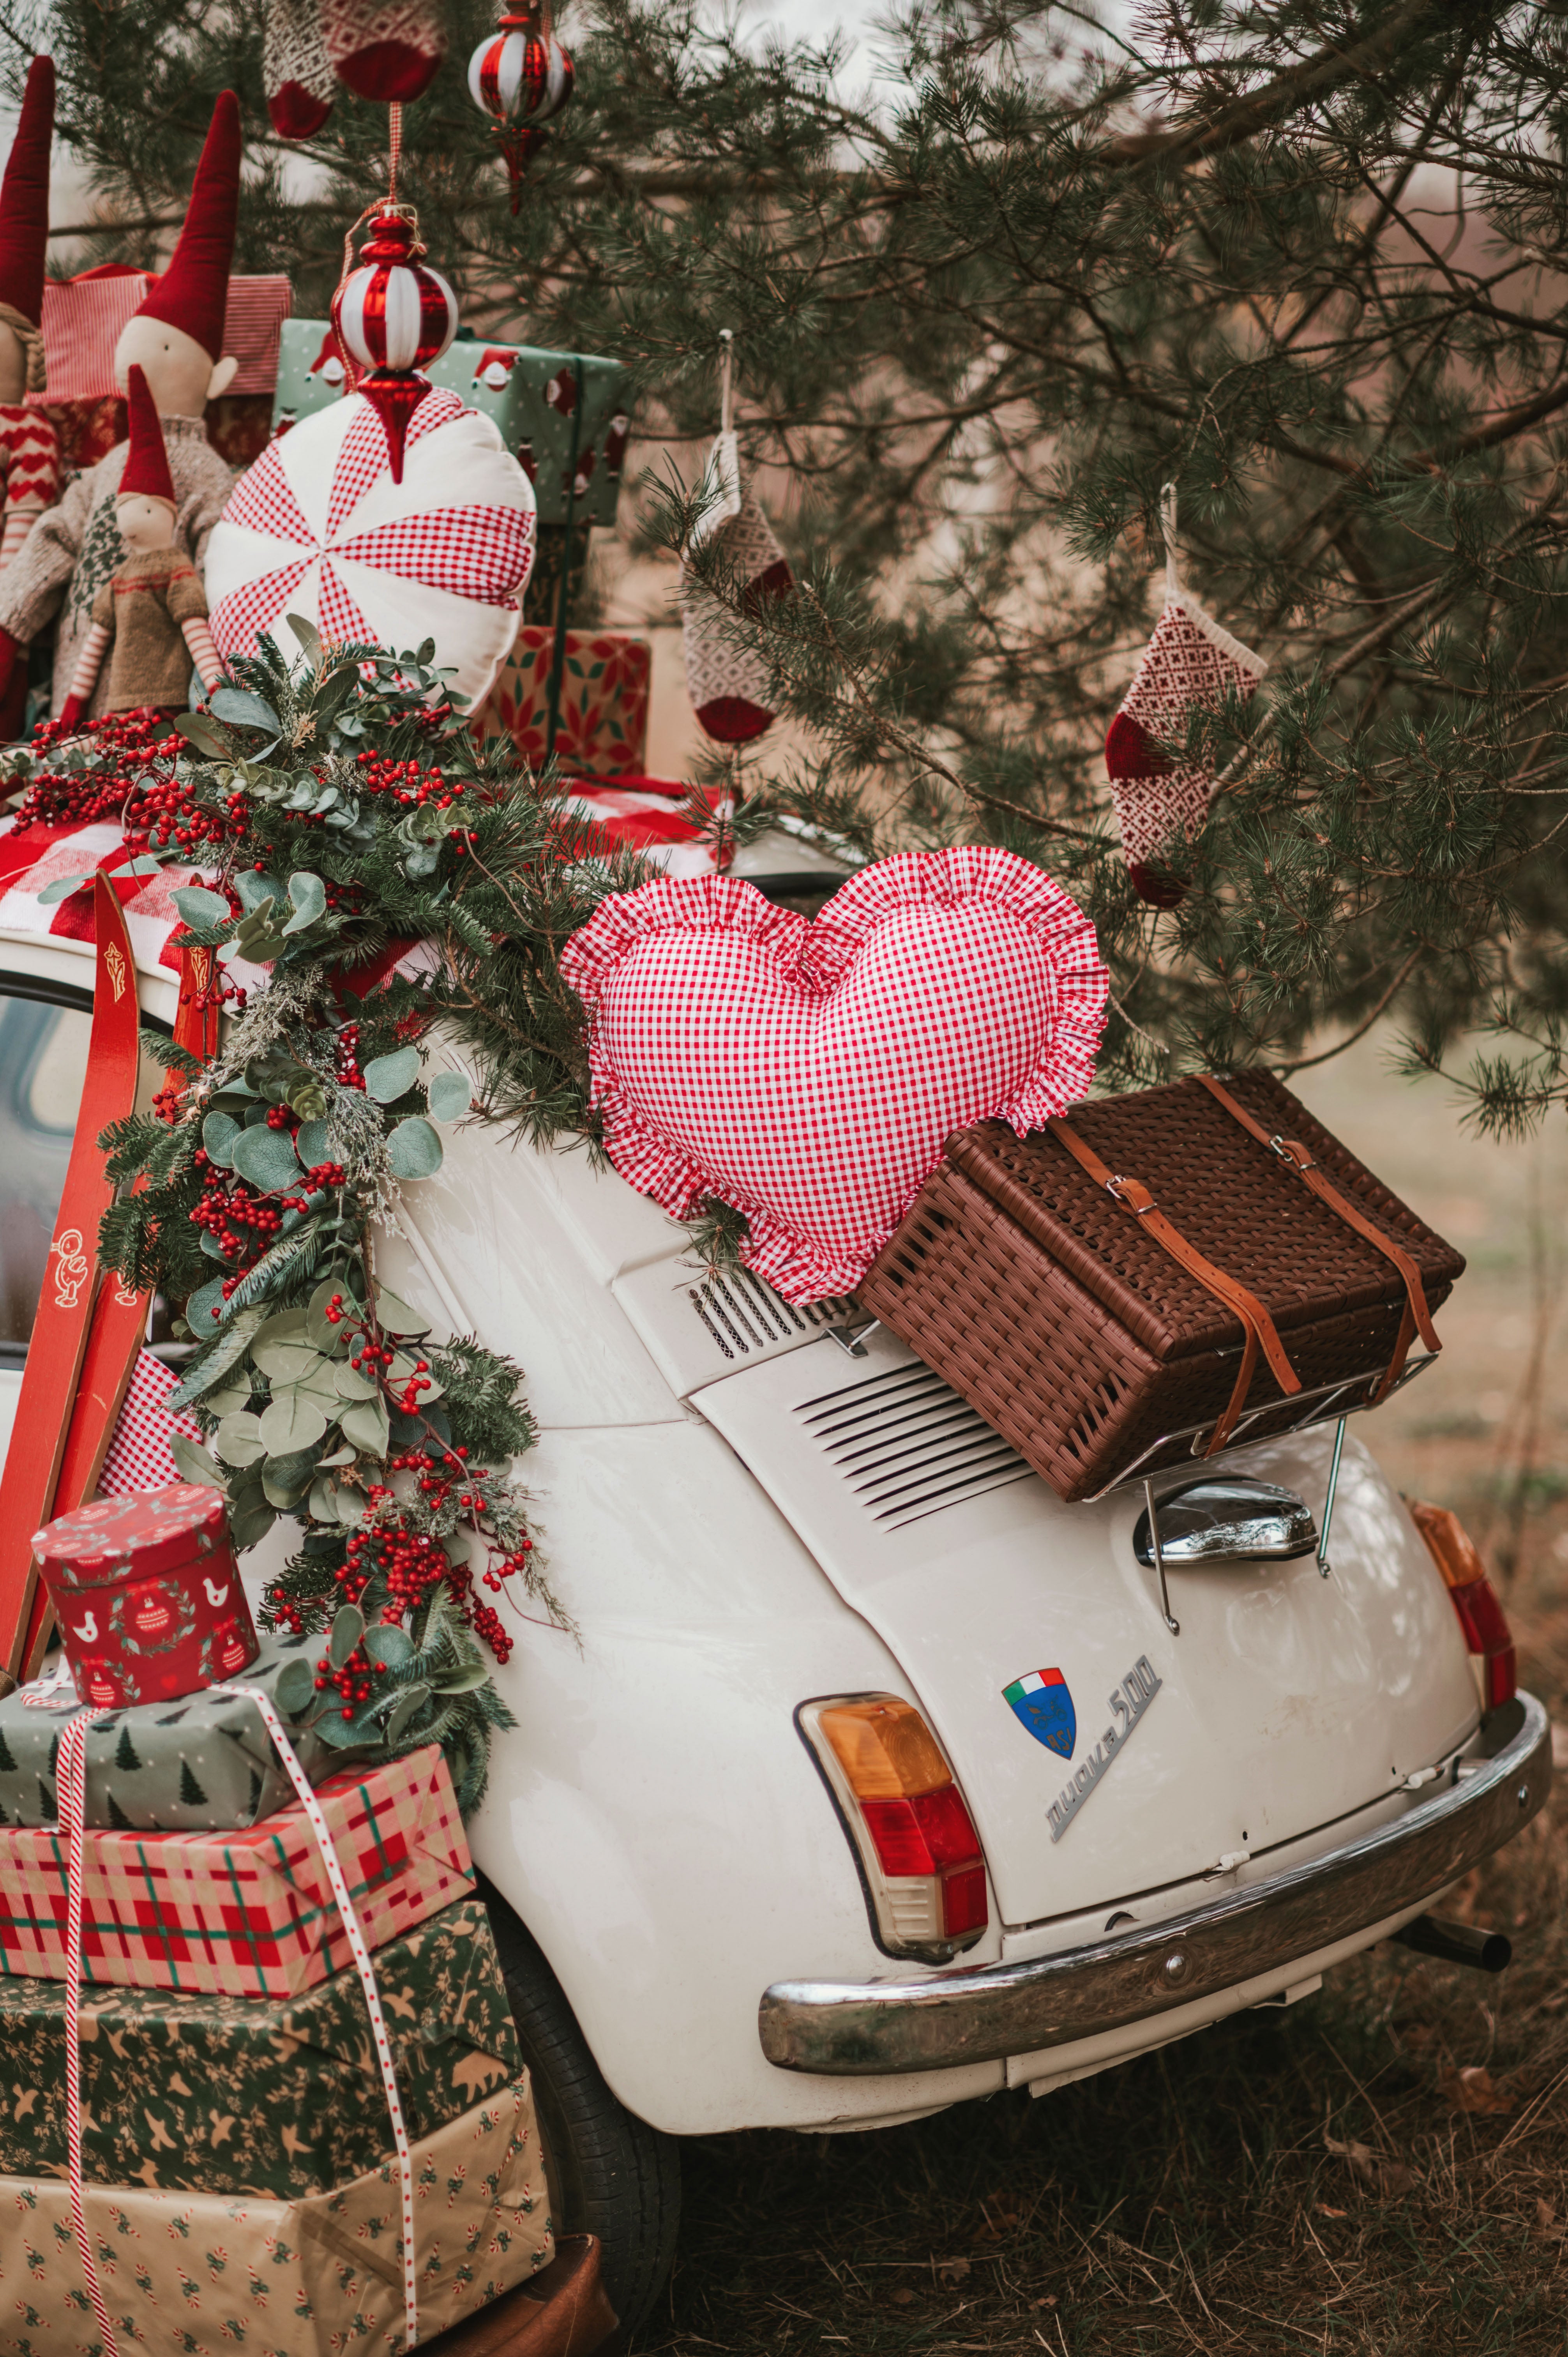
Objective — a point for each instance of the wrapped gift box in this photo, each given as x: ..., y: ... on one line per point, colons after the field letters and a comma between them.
x: 602, y: 728
x: 279, y: 2096
x: 240, y: 1915
x: 203, y: 1764
x: 208, y: 2275
x: 530, y: 395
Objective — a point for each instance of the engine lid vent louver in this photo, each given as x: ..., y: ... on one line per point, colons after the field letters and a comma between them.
x: 743, y: 1315
x: 908, y: 1446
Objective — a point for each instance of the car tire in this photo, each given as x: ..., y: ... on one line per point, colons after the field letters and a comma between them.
x: 608, y: 2173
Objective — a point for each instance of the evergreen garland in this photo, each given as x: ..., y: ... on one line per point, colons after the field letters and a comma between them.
x: 344, y: 808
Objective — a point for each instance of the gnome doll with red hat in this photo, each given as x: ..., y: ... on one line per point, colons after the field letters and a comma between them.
x: 29, y: 447
x: 177, y: 340
x: 149, y: 618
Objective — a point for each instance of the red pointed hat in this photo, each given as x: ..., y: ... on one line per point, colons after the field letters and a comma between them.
x: 193, y: 293
x: 24, y: 196
x: 147, y: 474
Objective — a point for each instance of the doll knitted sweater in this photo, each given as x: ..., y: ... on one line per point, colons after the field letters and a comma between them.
x: 75, y: 547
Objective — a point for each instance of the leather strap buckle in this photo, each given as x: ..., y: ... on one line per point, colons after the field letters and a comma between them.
x: 1289, y: 1151
x: 1132, y: 1194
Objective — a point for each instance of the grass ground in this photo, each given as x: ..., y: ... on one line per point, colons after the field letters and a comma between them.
x: 1381, y: 2169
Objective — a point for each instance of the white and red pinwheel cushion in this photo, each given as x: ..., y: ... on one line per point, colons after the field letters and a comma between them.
x: 811, y: 1074
x: 317, y: 527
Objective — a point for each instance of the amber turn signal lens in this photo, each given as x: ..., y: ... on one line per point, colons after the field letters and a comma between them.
x: 1474, y: 1599
x: 885, y: 1750
x: 924, y: 1868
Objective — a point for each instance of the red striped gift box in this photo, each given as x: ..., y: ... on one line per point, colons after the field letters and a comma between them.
x: 240, y: 1915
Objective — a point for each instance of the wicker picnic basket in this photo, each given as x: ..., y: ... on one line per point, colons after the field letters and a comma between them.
x: 1161, y: 1276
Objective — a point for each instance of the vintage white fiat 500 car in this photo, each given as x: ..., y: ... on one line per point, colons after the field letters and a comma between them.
x: 879, y: 1778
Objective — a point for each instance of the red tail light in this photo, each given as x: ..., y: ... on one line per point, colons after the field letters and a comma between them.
x: 923, y: 1864
x: 1474, y: 1599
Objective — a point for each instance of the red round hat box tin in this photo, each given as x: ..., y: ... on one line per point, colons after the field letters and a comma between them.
x: 147, y: 1594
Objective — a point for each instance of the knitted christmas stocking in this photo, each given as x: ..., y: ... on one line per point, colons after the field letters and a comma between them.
x: 387, y: 49
x: 1161, y: 803
x: 296, y: 72
x: 728, y: 685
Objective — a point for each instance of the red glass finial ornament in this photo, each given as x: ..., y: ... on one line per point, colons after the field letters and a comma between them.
x: 523, y: 77
x: 393, y: 316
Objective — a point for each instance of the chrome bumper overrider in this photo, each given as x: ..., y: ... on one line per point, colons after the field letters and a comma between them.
x: 855, y: 2030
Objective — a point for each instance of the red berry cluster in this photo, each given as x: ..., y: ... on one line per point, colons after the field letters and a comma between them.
x: 348, y: 1073
x: 133, y: 782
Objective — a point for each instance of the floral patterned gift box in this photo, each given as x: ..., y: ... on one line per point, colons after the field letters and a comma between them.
x: 602, y: 725
x: 208, y: 2275
x: 234, y: 2095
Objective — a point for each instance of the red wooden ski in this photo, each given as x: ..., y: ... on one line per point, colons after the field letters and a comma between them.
x: 119, y: 1322
x: 62, y: 1325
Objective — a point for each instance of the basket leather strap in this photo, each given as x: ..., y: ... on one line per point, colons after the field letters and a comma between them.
x: 1417, y: 1318
x: 1256, y: 1323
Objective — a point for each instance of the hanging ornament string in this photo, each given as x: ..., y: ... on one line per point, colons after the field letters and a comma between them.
x: 394, y: 148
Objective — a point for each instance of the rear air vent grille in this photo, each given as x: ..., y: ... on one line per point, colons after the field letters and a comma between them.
x: 743, y: 1316
x: 908, y: 1446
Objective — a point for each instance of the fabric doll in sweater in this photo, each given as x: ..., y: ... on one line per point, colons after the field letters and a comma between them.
x: 176, y: 338
x: 29, y: 447
x: 149, y: 618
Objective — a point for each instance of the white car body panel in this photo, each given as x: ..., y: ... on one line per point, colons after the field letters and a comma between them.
x: 656, y: 1818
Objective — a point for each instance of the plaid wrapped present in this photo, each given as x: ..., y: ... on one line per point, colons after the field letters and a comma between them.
x: 208, y: 2275
x: 240, y: 1915
x: 203, y: 1764
x: 602, y: 724
x: 236, y: 2094
x: 649, y: 815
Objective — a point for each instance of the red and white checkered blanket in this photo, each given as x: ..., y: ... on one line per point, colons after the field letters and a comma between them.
x: 643, y: 815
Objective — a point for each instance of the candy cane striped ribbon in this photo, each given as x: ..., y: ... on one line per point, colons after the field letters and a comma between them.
x: 72, y: 1786
x: 362, y: 1954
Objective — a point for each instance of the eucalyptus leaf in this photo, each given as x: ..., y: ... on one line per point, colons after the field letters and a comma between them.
x: 199, y: 908
x: 61, y: 889
x: 204, y: 1310
x: 294, y: 1688
x: 292, y: 1421
x: 243, y: 710
x: 409, y: 1704
x: 343, y: 1735
x: 348, y: 1628
x: 349, y: 1385
x: 288, y: 1359
x: 228, y: 1398
x: 283, y: 1495
x: 463, y: 1681
x: 283, y: 1326
x: 193, y: 1463
x: 450, y: 1094
x: 295, y: 1473
x: 248, y: 1525
x: 311, y: 1143
x: 309, y: 638
x: 391, y: 1647
x: 338, y: 1456
x: 366, y: 1425
x: 323, y: 1500
x: 267, y: 1158
x: 207, y: 1372
x: 238, y: 1440
x: 309, y: 895
x: 198, y: 730
x: 219, y: 1132
x: 256, y: 891
x: 413, y: 1148
x: 395, y: 1316
x: 212, y: 1248
x: 387, y: 1078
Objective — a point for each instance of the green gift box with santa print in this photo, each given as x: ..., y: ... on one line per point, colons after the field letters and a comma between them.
x: 243, y: 2095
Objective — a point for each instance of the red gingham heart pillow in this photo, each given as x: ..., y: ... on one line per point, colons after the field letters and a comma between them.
x: 811, y: 1074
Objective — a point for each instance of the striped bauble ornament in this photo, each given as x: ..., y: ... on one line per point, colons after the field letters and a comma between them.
x: 521, y: 77
x: 393, y: 317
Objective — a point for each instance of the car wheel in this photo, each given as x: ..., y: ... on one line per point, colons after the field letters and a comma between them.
x: 607, y: 2173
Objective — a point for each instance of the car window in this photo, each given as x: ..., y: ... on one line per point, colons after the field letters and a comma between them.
x: 43, y: 1064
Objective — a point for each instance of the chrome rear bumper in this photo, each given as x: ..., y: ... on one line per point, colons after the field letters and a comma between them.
x: 857, y: 2029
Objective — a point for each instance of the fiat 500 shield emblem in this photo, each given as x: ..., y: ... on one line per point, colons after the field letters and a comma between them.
x: 1040, y: 1702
